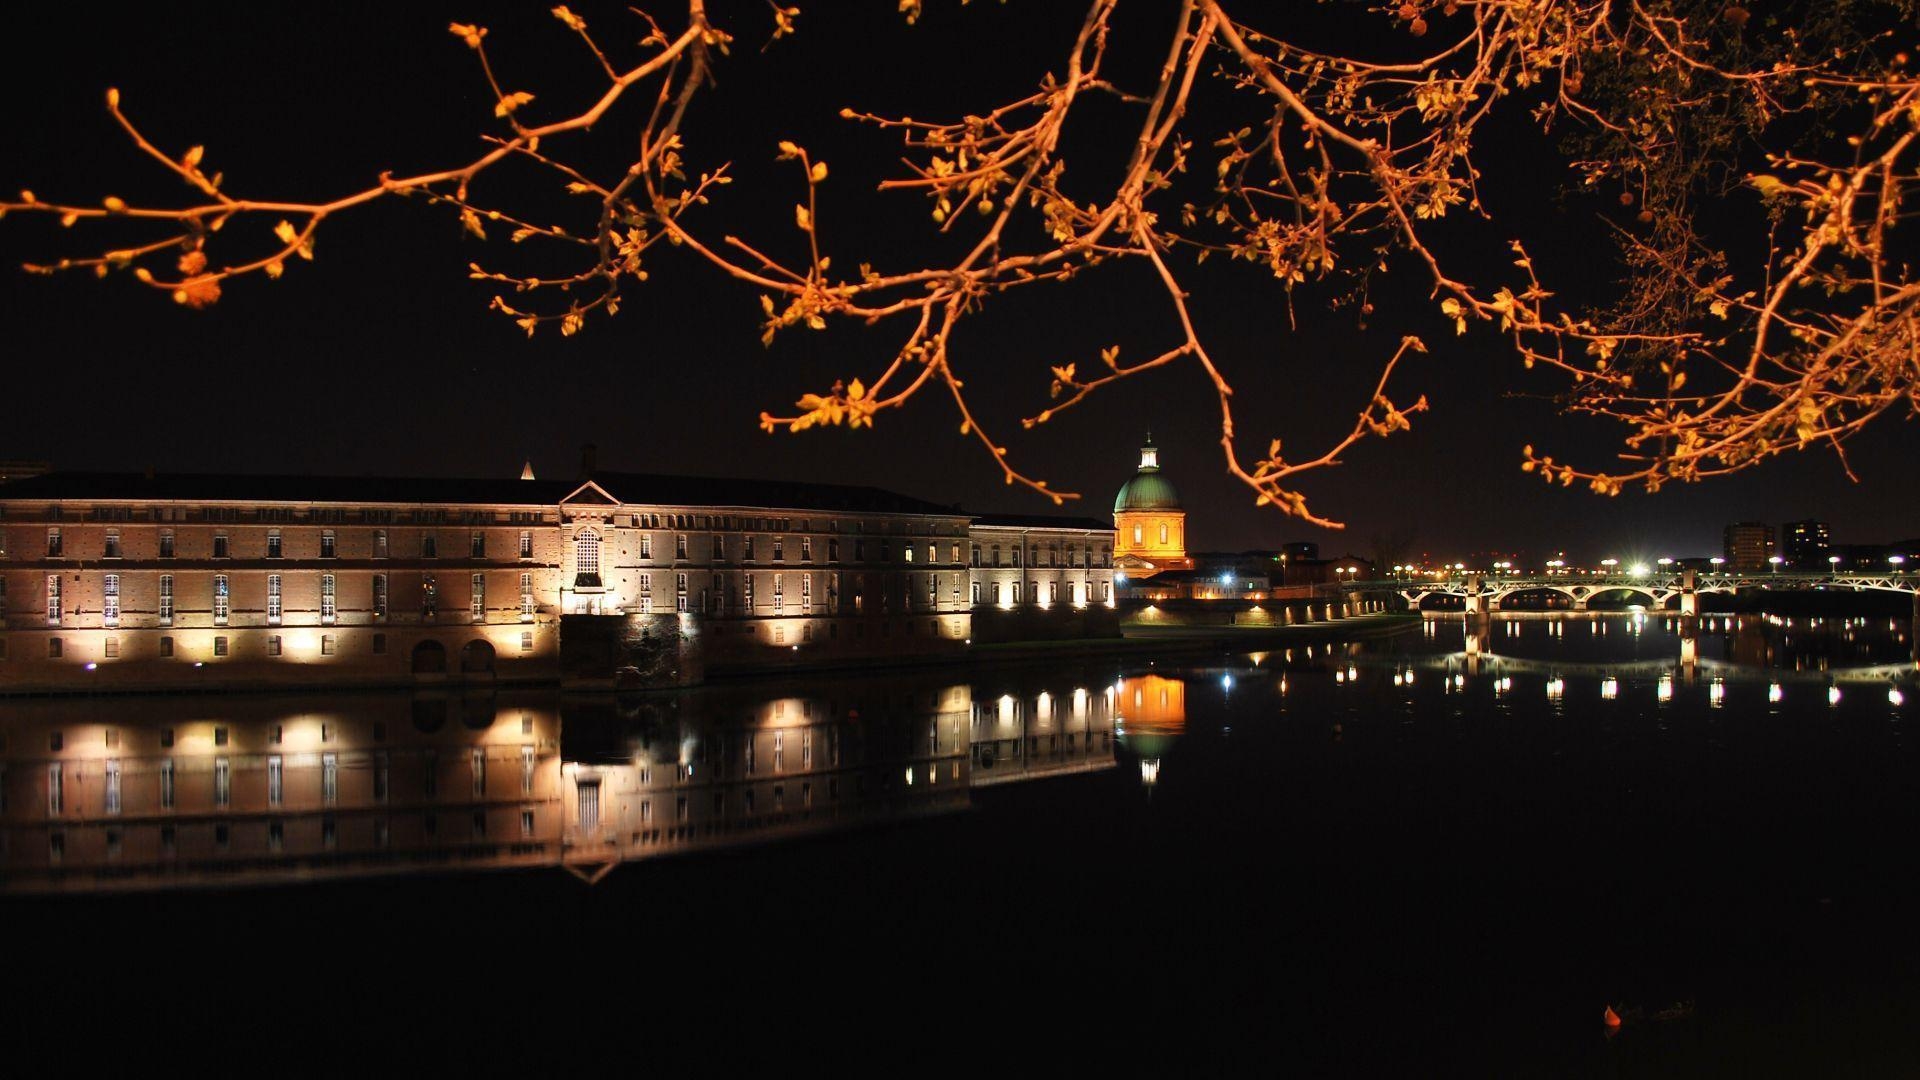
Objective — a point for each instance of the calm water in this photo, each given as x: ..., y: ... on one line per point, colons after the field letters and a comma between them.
x: 1441, y: 851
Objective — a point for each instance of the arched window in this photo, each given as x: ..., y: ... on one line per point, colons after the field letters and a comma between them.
x: 1136, y: 534
x: 1163, y: 532
x: 586, y: 558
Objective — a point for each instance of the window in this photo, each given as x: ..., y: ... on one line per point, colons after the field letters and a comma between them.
x: 748, y: 596
x: 273, y: 599
x: 429, y: 596
x: 833, y: 550
x: 54, y: 547
x: 1163, y: 532
x: 429, y: 546
x: 273, y: 649
x: 719, y: 549
x: 680, y: 592
x: 526, y: 824
x: 222, y: 599
x: 779, y: 549
x: 526, y: 641
x: 110, y: 548
x: 56, y: 788
x: 586, y: 559
x: 526, y: 544
x: 112, y: 776
x: 646, y: 594
x: 526, y: 770
x: 747, y: 548
x: 379, y: 543
x: 165, y: 610
x: 806, y: 593
x: 55, y: 648
x: 478, y: 761
x: 379, y: 644
x: 646, y: 547
x: 166, y: 544
x: 220, y: 546
x: 327, y: 600
x: 327, y: 544
x: 477, y: 546
x: 379, y: 596
x: 526, y: 597
x: 477, y: 604
x: 166, y: 784
x: 112, y: 648
x: 110, y: 600
x: 166, y: 648
x: 779, y: 600
x: 1136, y: 534
x: 273, y: 543
x: 220, y: 646
x: 53, y: 599
x: 222, y: 782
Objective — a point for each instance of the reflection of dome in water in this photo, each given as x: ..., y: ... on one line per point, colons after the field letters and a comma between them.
x: 1152, y: 711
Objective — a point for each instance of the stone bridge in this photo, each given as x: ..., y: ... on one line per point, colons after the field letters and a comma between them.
x: 1483, y: 593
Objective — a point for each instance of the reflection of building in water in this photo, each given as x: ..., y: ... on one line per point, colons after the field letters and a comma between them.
x: 194, y: 791
x: 1152, y: 715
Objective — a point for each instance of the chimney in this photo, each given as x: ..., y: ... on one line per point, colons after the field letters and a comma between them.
x: 589, y: 461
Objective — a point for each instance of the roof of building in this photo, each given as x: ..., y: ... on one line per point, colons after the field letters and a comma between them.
x: 1042, y: 521
x: 635, y: 488
x: 1148, y: 490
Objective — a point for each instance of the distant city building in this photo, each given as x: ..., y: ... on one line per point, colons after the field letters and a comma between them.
x: 1150, y: 528
x: 1805, y: 544
x: 1748, y: 545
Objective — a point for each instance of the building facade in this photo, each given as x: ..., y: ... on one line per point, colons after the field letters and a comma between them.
x: 1805, y: 545
x: 1150, y: 528
x: 125, y: 581
x: 1748, y: 546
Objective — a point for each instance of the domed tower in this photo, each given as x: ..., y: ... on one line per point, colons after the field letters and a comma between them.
x: 1150, y: 529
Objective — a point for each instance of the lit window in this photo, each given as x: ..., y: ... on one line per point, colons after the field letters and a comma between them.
x: 222, y: 599
x: 110, y: 600
x: 273, y: 544
x: 276, y: 780
x: 166, y: 599
x: 477, y: 604
x: 586, y: 559
x: 53, y: 599
x: 526, y: 597
x: 327, y: 544
x: 54, y: 545
x: 273, y: 599
x: 526, y: 544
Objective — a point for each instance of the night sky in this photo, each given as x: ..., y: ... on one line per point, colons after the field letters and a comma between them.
x: 381, y: 358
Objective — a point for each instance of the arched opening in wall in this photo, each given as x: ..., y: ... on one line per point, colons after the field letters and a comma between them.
x: 429, y: 658
x: 1536, y: 600
x: 1619, y: 600
x: 476, y: 657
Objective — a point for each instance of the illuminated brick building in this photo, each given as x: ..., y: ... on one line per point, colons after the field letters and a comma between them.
x: 1150, y: 528
x: 130, y: 581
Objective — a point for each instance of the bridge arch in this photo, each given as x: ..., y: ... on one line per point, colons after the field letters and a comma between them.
x: 1534, y: 598
x: 1621, y: 597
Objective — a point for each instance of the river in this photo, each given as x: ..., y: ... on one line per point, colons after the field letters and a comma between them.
x: 1450, y: 849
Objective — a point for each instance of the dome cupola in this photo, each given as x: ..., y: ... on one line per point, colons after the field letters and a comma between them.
x: 1148, y: 490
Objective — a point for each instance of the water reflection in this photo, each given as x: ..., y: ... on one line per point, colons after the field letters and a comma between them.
x: 191, y: 791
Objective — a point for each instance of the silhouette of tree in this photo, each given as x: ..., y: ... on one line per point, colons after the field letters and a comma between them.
x: 1759, y: 166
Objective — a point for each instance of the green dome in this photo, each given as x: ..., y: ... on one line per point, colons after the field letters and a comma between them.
x: 1148, y: 490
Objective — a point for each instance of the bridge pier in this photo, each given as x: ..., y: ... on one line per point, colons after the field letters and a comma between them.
x: 1689, y: 594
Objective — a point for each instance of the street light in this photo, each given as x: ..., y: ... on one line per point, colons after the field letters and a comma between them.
x: 1899, y: 563
x: 1717, y: 562
x: 1772, y: 560
x: 1609, y: 564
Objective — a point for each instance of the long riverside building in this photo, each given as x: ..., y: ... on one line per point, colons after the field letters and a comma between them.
x: 125, y: 581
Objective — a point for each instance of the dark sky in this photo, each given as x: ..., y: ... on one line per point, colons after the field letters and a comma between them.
x: 381, y: 358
